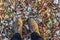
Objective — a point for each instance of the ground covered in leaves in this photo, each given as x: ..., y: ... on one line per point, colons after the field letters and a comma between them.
x: 25, y: 17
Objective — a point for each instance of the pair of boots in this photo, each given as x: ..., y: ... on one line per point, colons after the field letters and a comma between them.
x: 34, y: 36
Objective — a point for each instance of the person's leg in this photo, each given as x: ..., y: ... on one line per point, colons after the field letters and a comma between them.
x: 35, y: 36
x: 16, y: 36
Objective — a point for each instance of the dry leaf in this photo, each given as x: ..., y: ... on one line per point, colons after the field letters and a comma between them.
x: 45, y: 36
x: 0, y: 1
x: 0, y: 16
x: 20, y: 26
